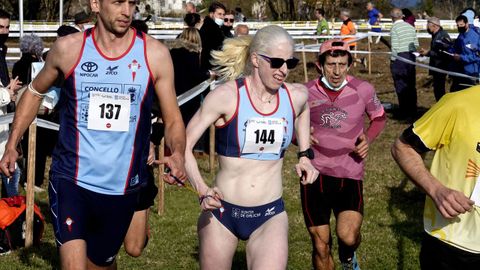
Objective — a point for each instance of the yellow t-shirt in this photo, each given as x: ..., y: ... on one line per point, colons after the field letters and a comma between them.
x: 452, y: 128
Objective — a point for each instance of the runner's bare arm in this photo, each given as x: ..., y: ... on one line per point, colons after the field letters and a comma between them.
x: 161, y: 66
x: 304, y: 167
x: 449, y: 202
x: 58, y: 59
x: 219, y: 103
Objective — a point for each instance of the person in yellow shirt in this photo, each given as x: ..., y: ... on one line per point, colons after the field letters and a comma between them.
x: 451, y: 216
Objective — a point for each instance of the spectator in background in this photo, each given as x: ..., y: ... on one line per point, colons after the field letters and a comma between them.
x: 348, y: 28
x: 136, y: 14
x: 466, y: 56
x: 7, y: 95
x: 81, y: 19
x: 227, y: 26
x: 239, y: 17
x: 241, y: 30
x: 374, y: 17
x: 4, y: 31
x: 408, y: 16
x: 31, y: 47
x: 211, y: 34
x: 190, y: 8
x: 186, y: 49
x: 438, y: 57
x: 322, y: 24
x: 404, y: 42
x: 192, y: 20
x: 150, y: 14
x: 470, y: 14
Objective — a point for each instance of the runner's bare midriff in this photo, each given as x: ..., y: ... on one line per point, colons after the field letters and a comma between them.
x: 249, y: 182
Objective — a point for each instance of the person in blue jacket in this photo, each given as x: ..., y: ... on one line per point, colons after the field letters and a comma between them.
x: 466, y: 54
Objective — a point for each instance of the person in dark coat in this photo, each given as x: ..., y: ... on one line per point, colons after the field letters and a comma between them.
x: 186, y: 49
x: 437, y: 53
x: 211, y: 34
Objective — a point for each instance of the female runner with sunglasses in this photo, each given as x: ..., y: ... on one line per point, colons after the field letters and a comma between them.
x: 255, y: 116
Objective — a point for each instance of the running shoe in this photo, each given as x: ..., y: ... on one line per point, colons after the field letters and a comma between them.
x: 352, y: 264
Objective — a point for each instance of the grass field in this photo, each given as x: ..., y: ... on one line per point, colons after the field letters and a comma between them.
x: 391, y: 230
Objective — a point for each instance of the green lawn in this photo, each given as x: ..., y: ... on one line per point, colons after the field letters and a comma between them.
x: 391, y: 230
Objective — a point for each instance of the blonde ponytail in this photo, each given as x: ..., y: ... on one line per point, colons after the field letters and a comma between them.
x: 230, y: 63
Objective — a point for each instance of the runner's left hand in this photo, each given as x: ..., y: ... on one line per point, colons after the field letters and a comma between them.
x: 305, y: 170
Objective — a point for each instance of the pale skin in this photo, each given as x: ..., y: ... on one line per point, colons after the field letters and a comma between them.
x: 113, y: 37
x: 248, y: 182
x: 335, y: 70
x: 219, y: 13
x: 449, y: 202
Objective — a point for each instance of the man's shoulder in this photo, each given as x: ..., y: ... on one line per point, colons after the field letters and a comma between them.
x: 360, y: 86
x: 69, y: 42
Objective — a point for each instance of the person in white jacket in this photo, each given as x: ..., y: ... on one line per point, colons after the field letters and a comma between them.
x: 7, y: 95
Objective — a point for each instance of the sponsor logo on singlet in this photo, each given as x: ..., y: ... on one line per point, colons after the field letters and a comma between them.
x: 89, y: 68
x: 88, y: 87
x: 112, y: 70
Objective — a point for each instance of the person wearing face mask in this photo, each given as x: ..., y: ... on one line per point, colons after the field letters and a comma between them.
x: 437, y: 54
x: 4, y: 31
x: 466, y: 47
x: 211, y: 34
x: 338, y: 104
x: 227, y: 26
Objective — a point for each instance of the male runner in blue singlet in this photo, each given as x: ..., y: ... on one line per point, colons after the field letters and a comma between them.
x: 99, y: 163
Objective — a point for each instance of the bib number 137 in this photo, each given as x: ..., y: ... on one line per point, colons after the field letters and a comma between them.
x: 109, y: 112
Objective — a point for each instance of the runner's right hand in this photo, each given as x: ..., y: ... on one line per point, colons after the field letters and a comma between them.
x: 7, y: 163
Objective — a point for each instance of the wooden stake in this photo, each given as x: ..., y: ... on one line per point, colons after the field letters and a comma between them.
x: 369, y: 40
x: 305, y: 71
x: 161, y: 183
x: 32, y: 136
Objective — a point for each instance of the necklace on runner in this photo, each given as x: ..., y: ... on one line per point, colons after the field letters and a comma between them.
x: 269, y: 100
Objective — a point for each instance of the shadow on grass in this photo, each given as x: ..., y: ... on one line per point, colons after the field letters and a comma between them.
x: 409, y: 203
x: 239, y: 261
x: 45, y: 209
x: 45, y: 251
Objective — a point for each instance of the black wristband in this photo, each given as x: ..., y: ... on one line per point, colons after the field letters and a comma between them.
x: 307, y: 153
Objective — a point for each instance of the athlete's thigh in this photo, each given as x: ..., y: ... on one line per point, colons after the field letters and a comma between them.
x: 267, y: 247
x: 113, y: 215
x: 217, y: 243
x: 348, y: 224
